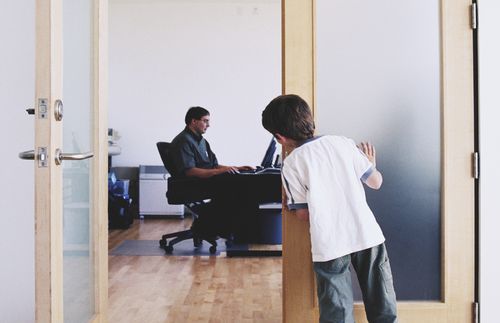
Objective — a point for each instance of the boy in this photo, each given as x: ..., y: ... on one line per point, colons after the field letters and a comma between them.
x: 323, y: 179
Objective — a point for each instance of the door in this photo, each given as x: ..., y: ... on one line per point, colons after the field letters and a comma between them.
x: 330, y: 51
x: 70, y: 159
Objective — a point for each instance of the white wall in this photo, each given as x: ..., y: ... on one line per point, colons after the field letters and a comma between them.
x: 17, y: 285
x: 166, y: 56
x: 489, y: 136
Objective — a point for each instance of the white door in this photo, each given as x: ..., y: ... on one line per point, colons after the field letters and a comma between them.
x: 70, y: 159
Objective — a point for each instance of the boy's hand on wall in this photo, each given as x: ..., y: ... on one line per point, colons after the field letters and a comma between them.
x: 369, y: 150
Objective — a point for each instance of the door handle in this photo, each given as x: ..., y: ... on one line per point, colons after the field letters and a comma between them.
x: 60, y: 156
x: 27, y: 155
x: 41, y: 156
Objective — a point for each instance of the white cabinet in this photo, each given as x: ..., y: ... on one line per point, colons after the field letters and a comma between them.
x: 152, y: 193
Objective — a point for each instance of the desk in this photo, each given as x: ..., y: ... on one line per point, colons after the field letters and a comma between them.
x: 236, y: 197
x: 260, y: 188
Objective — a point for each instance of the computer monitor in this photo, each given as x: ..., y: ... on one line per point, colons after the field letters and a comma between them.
x: 267, y: 161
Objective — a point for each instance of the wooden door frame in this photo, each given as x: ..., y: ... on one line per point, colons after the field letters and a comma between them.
x: 457, y: 221
x: 100, y: 161
x: 298, y: 65
x: 48, y: 180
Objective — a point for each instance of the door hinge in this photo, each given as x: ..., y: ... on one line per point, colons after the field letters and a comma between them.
x: 473, y: 16
x: 475, y: 306
x: 475, y: 165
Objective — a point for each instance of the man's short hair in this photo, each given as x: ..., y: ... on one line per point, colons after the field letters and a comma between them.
x: 290, y: 116
x: 195, y: 113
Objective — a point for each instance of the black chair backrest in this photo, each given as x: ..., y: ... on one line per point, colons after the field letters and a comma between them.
x: 181, y: 190
x: 164, y: 150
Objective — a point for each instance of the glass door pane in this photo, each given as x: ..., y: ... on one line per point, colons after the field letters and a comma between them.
x: 78, y: 286
x: 378, y: 79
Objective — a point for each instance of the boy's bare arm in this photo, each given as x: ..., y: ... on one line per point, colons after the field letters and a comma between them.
x: 375, y: 179
x: 302, y: 214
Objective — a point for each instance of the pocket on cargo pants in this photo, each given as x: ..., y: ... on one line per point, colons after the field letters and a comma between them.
x: 386, y: 276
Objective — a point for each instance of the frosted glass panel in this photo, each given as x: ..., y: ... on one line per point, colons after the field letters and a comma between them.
x: 78, y: 266
x: 378, y: 79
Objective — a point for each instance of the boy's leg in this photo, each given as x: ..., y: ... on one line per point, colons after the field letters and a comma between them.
x: 334, y: 290
x: 375, y: 279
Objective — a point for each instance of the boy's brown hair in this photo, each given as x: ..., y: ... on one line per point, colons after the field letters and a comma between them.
x: 290, y: 116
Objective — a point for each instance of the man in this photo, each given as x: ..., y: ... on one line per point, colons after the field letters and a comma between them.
x: 191, y: 156
x: 191, y: 153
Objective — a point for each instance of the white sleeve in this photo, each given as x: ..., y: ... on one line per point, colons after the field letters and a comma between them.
x: 362, y: 166
x: 295, y: 188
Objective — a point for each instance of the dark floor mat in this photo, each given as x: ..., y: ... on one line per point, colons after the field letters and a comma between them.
x: 183, y: 248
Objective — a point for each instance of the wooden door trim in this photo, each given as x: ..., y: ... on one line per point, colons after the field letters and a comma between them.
x: 457, y: 147
x: 100, y: 160
x: 298, y: 78
x: 434, y: 312
x: 48, y: 180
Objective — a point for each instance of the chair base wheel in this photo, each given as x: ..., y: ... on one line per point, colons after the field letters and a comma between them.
x: 163, y: 243
x: 197, y: 242
x: 169, y: 249
x: 213, y: 250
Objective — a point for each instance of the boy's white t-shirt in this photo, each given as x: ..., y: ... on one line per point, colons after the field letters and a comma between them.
x: 325, y: 176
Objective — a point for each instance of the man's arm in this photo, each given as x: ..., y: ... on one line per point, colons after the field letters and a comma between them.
x: 235, y: 169
x: 206, y: 173
x: 374, y: 181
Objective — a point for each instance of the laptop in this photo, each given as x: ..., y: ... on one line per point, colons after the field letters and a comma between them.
x: 267, y: 165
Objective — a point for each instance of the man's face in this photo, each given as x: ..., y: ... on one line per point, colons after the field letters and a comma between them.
x: 201, y: 126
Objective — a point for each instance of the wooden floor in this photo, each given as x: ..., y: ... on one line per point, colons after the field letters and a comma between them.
x: 190, y: 289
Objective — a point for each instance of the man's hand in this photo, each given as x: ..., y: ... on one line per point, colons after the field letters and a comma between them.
x: 245, y: 168
x: 207, y: 173
x: 227, y: 169
x: 369, y: 150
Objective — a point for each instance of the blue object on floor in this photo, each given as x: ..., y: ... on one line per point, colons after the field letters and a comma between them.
x: 119, y: 214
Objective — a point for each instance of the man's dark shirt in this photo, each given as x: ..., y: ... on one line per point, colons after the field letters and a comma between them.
x: 191, y: 150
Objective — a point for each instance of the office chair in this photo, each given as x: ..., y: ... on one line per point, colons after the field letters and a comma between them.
x: 201, y: 228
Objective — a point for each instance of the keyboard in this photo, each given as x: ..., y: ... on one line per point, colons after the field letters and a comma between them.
x: 270, y: 170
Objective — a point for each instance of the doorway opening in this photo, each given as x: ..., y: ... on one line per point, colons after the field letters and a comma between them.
x: 164, y: 57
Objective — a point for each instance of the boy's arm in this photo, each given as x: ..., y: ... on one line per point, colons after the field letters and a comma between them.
x: 302, y: 214
x: 296, y: 196
x: 374, y: 179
